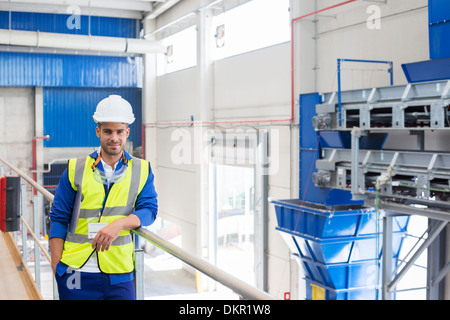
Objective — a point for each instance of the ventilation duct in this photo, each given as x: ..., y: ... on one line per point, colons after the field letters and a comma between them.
x: 79, y: 42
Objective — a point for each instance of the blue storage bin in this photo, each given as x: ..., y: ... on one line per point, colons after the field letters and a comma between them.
x: 319, y: 222
x: 340, y: 247
x: 343, y: 263
x: 345, y: 250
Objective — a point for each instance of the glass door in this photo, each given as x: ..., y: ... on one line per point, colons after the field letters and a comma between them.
x: 235, y: 188
x: 238, y: 205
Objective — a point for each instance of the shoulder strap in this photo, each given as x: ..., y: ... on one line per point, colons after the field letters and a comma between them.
x: 75, y: 172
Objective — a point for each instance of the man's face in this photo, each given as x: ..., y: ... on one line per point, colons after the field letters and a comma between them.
x: 113, y: 137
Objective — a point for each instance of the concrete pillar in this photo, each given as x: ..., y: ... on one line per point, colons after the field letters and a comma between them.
x: 149, y: 106
x: 203, y: 113
x: 39, y: 132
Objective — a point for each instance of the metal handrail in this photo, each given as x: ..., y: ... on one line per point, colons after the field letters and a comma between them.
x: 33, y: 235
x: 240, y: 287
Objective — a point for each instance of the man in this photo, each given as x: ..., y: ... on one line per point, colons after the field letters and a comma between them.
x: 99, y: 199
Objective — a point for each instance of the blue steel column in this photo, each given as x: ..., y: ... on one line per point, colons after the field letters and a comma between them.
x: 309, y: 150
x: 339, y: 90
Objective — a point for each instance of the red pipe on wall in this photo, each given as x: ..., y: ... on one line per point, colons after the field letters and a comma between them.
x: 290, y: 120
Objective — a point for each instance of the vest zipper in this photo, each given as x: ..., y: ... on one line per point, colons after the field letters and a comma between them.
x: 108, y: 189
x: 99, y: 216
x: 104, y: 201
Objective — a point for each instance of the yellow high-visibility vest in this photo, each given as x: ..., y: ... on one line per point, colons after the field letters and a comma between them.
x: 120, y: 202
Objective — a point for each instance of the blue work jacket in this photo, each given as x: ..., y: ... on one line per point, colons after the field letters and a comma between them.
x: 146, y: 209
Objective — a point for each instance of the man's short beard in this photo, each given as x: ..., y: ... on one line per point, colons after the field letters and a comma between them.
x: 112, y: 153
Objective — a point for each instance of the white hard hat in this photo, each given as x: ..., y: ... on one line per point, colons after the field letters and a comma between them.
x: 114, y: 109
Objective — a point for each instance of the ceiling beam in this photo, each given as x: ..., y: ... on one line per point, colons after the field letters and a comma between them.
x: 159, y: 9
x: 85, y: 11
x: 133, y: 5
x: 134, y: 9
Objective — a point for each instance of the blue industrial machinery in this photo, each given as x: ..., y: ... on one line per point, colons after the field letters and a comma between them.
x: 339, y: 63
x: 336, y: 238
x: 348, y: 183
x: 439, y: 28
x: 438, y: 67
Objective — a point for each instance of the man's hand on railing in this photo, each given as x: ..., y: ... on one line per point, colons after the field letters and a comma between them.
x: 109, y: 233
x: 56, y: 249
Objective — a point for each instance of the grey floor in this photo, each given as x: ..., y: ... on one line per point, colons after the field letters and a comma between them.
x: 166, y: 279
x: 175, y: 283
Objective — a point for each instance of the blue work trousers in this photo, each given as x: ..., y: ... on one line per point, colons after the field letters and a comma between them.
x: 74, y: 285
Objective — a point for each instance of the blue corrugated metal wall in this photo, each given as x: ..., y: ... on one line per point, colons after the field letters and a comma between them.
x: 20, y: 69
x: 68, y: 115
x: 49, y: 22
x: 74, y: 84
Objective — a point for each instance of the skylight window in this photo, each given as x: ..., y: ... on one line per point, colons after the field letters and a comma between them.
x: 251, y: 26
x: 181, y: 52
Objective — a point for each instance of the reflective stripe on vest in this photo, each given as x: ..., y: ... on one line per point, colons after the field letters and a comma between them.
x: 120, y: 203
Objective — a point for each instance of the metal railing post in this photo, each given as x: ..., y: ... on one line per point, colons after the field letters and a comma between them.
x: 55, y: 289
x: 139, y: 273
x: 431, y: 236
x: 387, y: 257
x: 23, y: 195
x: 37, y: 252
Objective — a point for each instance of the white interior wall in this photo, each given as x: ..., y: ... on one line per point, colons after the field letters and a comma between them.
x: 256, y: 85
x: 177, y: 95
x: 253, y: 85
x: 248, y: 86
x: 343, y: 33
x: 178, y: 190
x: 17, y: 126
